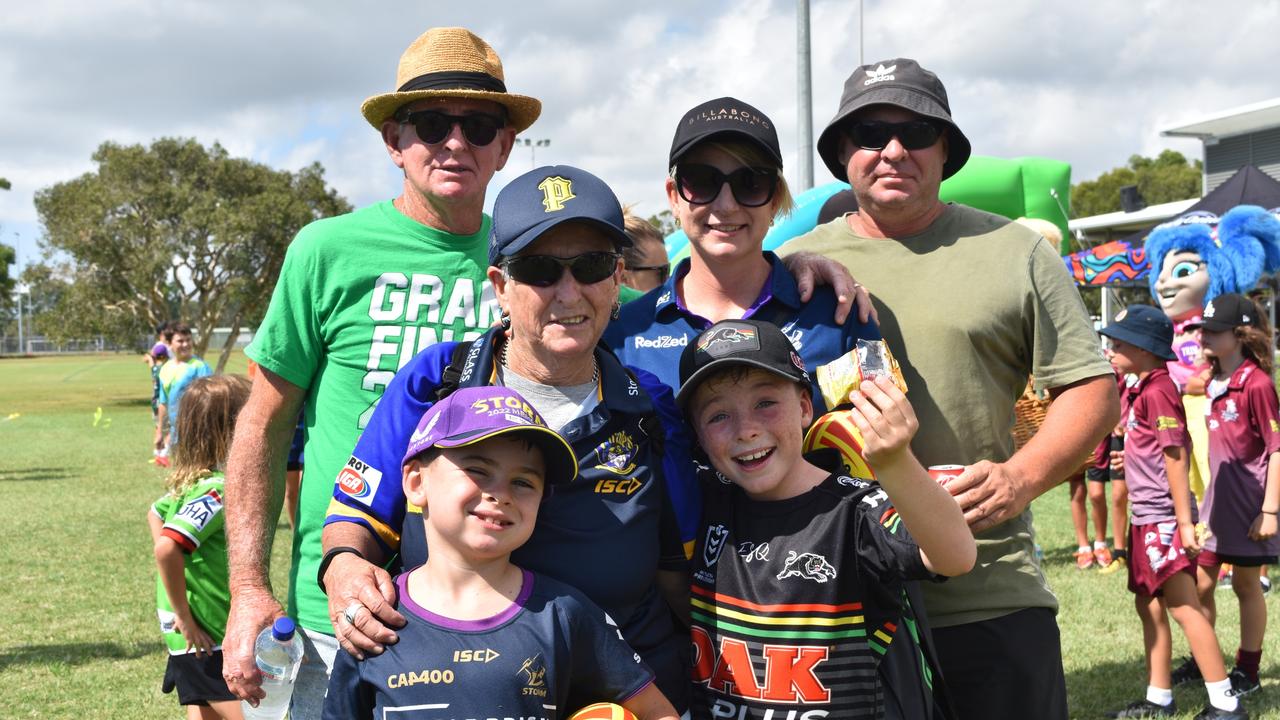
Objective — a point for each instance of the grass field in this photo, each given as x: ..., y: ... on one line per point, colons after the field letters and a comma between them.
x: 78, y: 635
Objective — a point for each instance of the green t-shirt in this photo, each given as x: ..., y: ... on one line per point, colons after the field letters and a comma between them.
x: 195, y: 522
x: 970, y: 307
x: 358, y: 296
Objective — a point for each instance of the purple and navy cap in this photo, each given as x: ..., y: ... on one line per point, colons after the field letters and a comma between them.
x: 549, y: 196
x: 160, y: 350
x: 473, y: 414
x: 745, y: 343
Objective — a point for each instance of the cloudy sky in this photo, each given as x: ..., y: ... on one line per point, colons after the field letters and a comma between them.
x: 281, y: 81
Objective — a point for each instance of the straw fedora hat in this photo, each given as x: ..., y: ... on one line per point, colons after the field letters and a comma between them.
x: 450, y: 63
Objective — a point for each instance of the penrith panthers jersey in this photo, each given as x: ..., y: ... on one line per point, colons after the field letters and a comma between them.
x: 796, y: 601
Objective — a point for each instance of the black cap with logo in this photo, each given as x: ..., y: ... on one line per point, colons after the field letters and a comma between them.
x: 746, y: 343
x: 1228, y: 312
x: 724, y: 116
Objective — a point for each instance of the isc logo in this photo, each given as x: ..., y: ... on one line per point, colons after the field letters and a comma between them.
x: 480, y: 656
x: 623, y: 486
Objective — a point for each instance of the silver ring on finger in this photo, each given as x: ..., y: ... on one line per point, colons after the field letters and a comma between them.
x: 350, y: 613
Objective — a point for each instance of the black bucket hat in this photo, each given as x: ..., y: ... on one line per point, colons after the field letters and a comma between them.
x: 1144, y: 327
x: 900, y: 82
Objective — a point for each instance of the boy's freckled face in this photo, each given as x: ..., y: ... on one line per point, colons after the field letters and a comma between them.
x: 482, y: 500
x: 751, y: 425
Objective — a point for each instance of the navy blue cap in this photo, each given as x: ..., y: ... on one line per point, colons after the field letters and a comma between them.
x: 1144, y: 327
x: 547, y: 196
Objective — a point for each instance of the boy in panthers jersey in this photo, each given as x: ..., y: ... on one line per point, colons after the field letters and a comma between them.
x: 798, y: 574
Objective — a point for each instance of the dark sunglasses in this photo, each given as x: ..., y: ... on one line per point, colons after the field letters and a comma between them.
x: 433, y: 127
x: 663, y: 270
x: 701, y: 184
x: 546, y: 270
x: 875, y: 134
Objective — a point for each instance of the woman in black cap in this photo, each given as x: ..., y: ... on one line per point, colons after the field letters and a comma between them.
x: 725, y: 187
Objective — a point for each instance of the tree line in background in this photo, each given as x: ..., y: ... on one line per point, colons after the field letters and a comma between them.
x: 178, y: 230
x: 175, y: 230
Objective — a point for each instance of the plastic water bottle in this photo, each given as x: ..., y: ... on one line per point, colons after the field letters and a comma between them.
x: 278, y: 653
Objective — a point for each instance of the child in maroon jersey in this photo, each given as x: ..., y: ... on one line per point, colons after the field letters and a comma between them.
x: 1162, y: 535
x: 1240, y: 504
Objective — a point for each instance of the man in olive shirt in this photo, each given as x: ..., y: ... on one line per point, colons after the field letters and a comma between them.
x: 971, y: 304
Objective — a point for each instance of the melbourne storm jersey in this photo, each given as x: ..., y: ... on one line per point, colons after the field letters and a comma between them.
x: 796, y: 601
x: 520, y: 663
x: 632, y: 509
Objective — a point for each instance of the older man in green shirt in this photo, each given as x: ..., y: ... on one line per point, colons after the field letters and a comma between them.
x: 971, y: 304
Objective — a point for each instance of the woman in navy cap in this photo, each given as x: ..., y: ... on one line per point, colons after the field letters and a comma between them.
x: 725, y: 187
x: 618, y: 532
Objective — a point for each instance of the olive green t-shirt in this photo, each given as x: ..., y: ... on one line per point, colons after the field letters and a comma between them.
x: 971, y: 307
x: 358, y: 296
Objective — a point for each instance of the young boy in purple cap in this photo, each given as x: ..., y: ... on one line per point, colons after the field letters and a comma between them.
x: 486, y: 638
x: 798, y: 572
x: 1162, y: 529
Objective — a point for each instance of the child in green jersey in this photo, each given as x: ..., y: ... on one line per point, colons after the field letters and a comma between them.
x: 192, y: 592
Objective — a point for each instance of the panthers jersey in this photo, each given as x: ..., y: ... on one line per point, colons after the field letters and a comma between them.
x: 796, y: 601
x: 521, y: 663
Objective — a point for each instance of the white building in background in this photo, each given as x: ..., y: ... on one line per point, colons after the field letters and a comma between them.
x: 1246, y: 135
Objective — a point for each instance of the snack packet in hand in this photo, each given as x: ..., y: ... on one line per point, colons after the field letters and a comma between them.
x: 868, y: 359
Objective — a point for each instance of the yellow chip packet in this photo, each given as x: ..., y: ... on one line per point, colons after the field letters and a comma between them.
x: 868, y: 359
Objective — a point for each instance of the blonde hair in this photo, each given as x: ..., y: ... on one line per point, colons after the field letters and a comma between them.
x: 206, y: 420
x: 752, y: 156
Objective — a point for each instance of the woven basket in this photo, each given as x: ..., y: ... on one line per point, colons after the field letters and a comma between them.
x: 1029, y: 413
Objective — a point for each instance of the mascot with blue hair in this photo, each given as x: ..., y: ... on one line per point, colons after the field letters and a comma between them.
x: 1195, y: 258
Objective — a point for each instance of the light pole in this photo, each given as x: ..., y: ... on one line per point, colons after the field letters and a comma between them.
x: 533, y: 144
x: 18, y: 292
x: 804, y: 89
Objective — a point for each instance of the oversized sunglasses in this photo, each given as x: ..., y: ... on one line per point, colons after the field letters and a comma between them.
x: 875, y: 134
x: 546, y: 270
x: 701, y: 184
x: 433, y: 127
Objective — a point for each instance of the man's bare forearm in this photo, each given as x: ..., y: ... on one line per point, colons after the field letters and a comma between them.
x: 1080, y: 415
x: 255, y: 477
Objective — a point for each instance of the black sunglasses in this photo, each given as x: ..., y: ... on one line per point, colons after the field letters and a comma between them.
x: 546, y: 270
x: 701, y: 184
x: 433, y: 127
x: 663, y: 270
x: 875, y: 134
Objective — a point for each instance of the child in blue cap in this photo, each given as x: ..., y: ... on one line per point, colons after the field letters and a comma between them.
x: 1162, y: 528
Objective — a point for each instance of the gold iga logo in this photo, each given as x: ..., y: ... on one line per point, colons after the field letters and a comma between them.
x: 1164, y: 422
x: 535, y: 676
x: 617, y: 455
x: 1275, y: 426
x: 556, y: 191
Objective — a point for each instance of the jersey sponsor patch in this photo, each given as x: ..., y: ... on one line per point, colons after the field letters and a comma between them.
x: 358, y: 480
x: 201, y: 510
x: 1164, y: 422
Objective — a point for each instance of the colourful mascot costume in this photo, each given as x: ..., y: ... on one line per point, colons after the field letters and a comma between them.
x: 1195, y: 258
